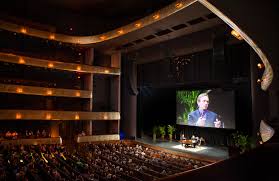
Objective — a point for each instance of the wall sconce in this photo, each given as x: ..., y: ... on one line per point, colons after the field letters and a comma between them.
x: 18, y: 116
x: 78, y: 68
x: 50, y: 65
x: 48, y: 116
x: 260, y: 65
x: 49, y: 92
x: 78, y: 94
x: 21, y: 60
x: 76, y: 117
x: 105, y: 117
x: 259, y: 81
x: 23, y: 30
x: 106, y: 71
x: 19, y: 90
x: 51, y: 37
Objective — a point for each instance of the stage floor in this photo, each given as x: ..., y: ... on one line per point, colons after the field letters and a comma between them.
x: 211, y: 152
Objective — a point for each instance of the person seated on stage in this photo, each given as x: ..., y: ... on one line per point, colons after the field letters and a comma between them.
x: 197, y: 139
x: 182, y: 137
x: 202, y: 141
x: 193, y: 138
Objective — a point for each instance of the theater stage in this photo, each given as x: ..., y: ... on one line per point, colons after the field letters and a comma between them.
x: 209, y: 152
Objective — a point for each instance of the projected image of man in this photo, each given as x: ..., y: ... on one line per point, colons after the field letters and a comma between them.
x: 202, y: 116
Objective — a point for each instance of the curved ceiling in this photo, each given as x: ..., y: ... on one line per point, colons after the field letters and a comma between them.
x: 80, y: 18
x: 50, y: 11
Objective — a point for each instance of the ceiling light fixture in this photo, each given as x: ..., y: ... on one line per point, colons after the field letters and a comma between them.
x: 120, y: 31
x: 138, y: 25
x: 156, y: 16
x: 236, y: 35
x: 178, y: 5
x: 103, y: 37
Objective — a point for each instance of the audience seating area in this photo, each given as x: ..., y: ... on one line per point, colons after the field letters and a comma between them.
x: 117, y: 160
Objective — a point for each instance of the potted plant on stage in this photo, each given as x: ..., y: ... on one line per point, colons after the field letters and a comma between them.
x: 162, y: 132
x: 171, y: 130
x: 154, y: 130
x: 241, y: 143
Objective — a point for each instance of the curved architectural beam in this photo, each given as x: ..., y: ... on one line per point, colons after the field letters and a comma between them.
x: 56, y: 115
x: 268, y: 72
x: 163, y: 13
x: 43, y: 91
x: 86, y: 40
x: 73, y: 67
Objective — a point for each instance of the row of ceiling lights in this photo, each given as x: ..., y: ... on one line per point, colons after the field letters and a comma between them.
x: 49, y: 116
x: 51, y: 65
x: 48, y: 92
x: 138, y: 24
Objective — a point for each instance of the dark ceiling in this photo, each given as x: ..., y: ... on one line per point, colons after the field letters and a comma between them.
x: 78, y: 17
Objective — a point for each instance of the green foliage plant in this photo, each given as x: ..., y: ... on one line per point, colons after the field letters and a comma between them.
x: 241, y: 141
x: 189, y: 100
x: 162, y: 131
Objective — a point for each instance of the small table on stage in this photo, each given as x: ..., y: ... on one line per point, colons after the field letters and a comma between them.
x: 188, y: 143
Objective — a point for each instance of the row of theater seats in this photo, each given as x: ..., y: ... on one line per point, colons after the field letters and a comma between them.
x: 102, y: 161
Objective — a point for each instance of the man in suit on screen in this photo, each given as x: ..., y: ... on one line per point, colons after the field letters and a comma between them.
x: 203, y: 117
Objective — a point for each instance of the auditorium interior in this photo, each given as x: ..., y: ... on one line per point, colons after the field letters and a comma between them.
x: 91, y: 90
